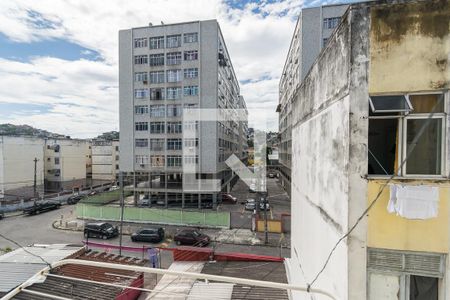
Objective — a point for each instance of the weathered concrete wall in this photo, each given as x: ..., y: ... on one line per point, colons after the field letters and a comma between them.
x: 320, y: 156
x: 410, y: 47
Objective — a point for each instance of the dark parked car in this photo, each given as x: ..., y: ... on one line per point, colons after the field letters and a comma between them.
x: 152, y: 235
x: 41, y: 207
x: 2, y: 215
x: 191, y: 237
x: 228, y: 198
x: 74, y: 199
x: 100, y: 230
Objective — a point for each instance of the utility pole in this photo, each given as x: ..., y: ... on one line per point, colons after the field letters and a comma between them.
x: 34, y: 182
x: 266, y: 232
x: 122, y: 200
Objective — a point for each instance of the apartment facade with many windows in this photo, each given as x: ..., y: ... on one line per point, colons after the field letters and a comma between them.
x: 314, y: 27
x: 164, y: 70
x: 370, y: 161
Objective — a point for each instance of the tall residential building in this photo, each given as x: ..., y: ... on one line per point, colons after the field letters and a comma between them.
x: 105, y: 161
x: 314, y: 27
x: 164, y: 69
x: 17, y: 154
x: 370, y: 160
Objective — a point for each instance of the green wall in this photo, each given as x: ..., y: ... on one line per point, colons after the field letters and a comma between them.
x: 154, y: 215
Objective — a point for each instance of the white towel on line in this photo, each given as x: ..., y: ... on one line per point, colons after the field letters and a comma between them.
x: 414, y: 202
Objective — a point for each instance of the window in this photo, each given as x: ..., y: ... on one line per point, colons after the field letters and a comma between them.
x: 157, y: 160
x: 157, y: 42
x: 157, y: 77
x: 173, y: 75
x: 56, y: 160
x: 174, y: 110
x: 141, y: 77
x: 190, y: 125
x: 141, y: 109
x: 173, y: 93
x: 174, y: 41
x: 141, y: 59
x: 157, y: 127
x: 389, y: 104
x: 141, y: 126
x: 174, y: 127
x: 140, y: 93
x: 191, y: 142
x: 142, y: 143
x: 191, y: 73
x: 142, y: 159
x: 157, y: 111
x: 330, y: 23
x: 191, y: 90
x: 174, y: 144
x: 191, y: 159
x: 190, y: 106
x: 174, y: 161
x: 117, y: 148
x: 157, y: 94
x: 140, y: 42
x: 393, y: 135
x: 191, y: 55
x: 157, y: 144
x: 157, y: 59
x: 191, y: 37
x: 174, y: 58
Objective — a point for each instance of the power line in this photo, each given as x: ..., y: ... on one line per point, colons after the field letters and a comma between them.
x: 410, y: 150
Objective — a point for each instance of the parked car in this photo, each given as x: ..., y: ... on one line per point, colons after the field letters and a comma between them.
x: 228, y: 198
x: 41, y: 207
x: 264, y: 206
x: 92, y: 193
x: 2, y: 215
x: 191, y: 237
x: 74, y: 199
x: 152, y: 235
x: 250, y: 206
x: 113, y: 188
x: 271, y: 175
x: 101, y: 230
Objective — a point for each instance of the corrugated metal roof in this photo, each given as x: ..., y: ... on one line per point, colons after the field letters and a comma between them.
x: 71, y: 289
x: 200, y: 290
x: 270, y: 271
x: 13, y: 274
x: 18, y: 266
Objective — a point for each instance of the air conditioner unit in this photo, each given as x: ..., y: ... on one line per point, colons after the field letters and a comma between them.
x: 144, y: 81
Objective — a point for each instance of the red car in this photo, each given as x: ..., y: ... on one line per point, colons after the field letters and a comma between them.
x: 191, y: 237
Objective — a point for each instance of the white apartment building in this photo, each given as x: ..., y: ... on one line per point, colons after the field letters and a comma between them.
x: 17, y: 156
x: 66, y: 164
x: 314, y: 27
x: 164, y: 69
x: 105, y: 161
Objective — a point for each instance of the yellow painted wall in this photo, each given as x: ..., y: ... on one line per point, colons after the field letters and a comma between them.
x: 409, y: 47
x: 390, y: 231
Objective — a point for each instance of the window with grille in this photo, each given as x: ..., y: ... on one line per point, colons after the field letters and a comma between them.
x: 174, y: 41
x: 141, y: 126
x: 191, y: 90
x: 157, y: 127
x: 156, y: 59
x: 191, y: 55
x: 141, y: 109
x: 173, y: 58
x: 173, y: 75
x: 191, y: 73
x: 157, y: 77
x: 140, y: 93
x: 157, y: 111
x: 173, y: 93
x: 140, y: 42
x: 191, y: 37
x: 140, y: 76
x: 174, y: 160
x: 141, y: 59
x: 157, y: 94
x: 157, y: 42
x: 174, y: 144
x: 141, y: 143
x: 174, y: 110
x: 174, y: 127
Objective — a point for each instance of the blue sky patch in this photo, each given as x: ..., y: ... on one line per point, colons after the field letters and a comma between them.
x: 54, y: 48
x: 8, y: 109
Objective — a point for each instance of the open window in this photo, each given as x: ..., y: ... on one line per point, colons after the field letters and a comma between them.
x: 390, y: 104
x: 394, y: 124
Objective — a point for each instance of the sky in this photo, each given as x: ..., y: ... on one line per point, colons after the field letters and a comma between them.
x: 59, y: 58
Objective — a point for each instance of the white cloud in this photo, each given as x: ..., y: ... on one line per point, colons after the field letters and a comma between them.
x: 257, y: 37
